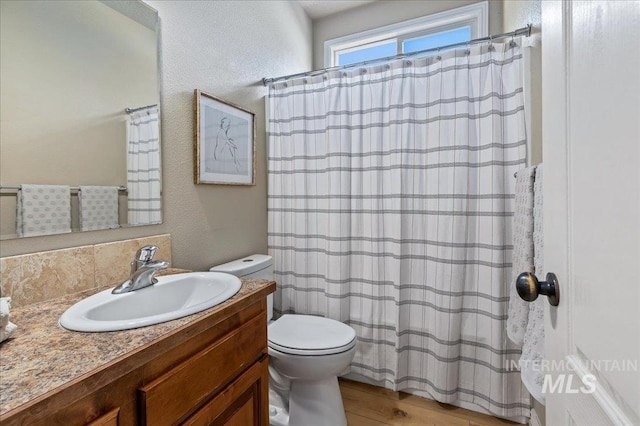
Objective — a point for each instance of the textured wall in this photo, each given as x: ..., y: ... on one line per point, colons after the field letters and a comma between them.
x: 223, y: 48
x: 386, y: 12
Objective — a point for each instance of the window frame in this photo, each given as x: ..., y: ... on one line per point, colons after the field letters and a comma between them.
x: 475, y: 16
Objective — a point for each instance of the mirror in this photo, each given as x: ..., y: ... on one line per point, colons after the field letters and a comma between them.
x: 69, y: 69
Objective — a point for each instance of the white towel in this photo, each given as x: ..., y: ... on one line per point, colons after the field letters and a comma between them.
x: 5, y: 305
x: 43, y: 210
x: 98, y: 207
x: 6, y: 328
x: 533, y: 346
x: 518, y: 316
x: 6, y: 332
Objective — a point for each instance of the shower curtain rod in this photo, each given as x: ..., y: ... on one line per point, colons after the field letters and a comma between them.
x: 130, y: 110
x: 524, y: 31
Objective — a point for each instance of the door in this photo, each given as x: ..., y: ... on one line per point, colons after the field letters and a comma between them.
x: 591, y: 146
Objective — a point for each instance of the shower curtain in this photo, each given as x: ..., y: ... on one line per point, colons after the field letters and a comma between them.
x: 143, y: 167
x: 390, y: 209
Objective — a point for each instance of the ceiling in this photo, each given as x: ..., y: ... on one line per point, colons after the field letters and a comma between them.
x: 319, y: 9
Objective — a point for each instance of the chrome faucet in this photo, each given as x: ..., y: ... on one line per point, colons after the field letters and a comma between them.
x: 143, y: 268
x: 143, y: 256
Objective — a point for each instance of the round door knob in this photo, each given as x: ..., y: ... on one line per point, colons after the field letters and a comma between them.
x: 529, y: 288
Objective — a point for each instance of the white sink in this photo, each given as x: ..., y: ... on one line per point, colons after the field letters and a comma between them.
x: 173, y: 296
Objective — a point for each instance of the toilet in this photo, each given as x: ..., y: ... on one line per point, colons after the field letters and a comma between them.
x: 306, y: 354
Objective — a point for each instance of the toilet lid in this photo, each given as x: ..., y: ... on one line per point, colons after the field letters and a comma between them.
x: 310, y: 333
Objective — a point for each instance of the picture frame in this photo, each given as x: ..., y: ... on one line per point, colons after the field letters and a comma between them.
x: 224, y: 143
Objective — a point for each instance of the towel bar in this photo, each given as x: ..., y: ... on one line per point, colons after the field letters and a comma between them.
x: 73, y: 188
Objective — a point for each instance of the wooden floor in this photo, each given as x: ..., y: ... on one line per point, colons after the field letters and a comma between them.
x: 373, y: 406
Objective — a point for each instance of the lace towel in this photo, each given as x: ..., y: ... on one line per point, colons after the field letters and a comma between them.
x: 518, y: 316
x: 533, y: 345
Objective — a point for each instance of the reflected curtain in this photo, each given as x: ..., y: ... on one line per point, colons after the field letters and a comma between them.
x: 143, y: 167
x: 391, y: 197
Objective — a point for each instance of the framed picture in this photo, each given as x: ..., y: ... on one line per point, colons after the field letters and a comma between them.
x: 224, y: 145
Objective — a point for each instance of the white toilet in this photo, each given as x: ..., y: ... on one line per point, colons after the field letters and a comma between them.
x: 306, y: 355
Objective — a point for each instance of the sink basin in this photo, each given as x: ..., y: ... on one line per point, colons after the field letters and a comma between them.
x: 173, y: 296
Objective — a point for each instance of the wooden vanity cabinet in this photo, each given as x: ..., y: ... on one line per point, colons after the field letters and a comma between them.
x: 213, y: 371
x: 174, y: 395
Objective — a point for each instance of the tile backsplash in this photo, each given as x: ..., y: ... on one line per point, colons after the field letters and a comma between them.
x: 36, y: 277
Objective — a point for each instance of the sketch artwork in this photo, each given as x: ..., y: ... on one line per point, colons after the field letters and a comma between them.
x: 225, y: 142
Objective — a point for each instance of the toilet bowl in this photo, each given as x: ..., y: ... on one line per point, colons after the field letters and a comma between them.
x: 308, y: 352
x: 306, y: 355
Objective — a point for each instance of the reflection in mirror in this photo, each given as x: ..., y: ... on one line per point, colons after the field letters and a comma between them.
x: 71, y: 157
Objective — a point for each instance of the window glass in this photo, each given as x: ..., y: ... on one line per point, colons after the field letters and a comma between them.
x: 438, y: 39
x: 368, y: 53
x: 423, y: 33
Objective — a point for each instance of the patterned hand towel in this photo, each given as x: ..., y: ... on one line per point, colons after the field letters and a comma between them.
x: 98, y: 207
x: 43, y: 210
x: 522, y: 253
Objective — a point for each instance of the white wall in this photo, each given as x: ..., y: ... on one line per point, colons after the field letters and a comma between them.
x: 386, y: 12
x: 223, y: 48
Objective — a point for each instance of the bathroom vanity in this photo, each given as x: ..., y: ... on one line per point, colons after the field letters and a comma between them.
x: 207, y: 368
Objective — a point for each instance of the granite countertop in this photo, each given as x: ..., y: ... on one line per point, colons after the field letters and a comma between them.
x: 42, y: 356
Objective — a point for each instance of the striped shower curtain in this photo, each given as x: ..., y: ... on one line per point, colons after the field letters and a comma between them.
x: 143, y: 167
x: 390, y: 209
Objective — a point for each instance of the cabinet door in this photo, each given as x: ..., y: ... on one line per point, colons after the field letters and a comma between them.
x: 178, y: 392
x: 108, y: 419
x: 245, y: 402
x: 243, y: 416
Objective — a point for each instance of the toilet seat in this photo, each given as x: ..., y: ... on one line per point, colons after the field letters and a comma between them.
x: 310, y: 335
x: 315, y: 352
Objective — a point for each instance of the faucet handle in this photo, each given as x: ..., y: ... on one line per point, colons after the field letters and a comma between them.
x: 145, y: 254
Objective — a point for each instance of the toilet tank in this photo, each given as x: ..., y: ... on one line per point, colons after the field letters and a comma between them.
x: 254, y: 266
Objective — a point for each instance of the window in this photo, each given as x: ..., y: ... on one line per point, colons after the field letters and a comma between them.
x: 440, y: 29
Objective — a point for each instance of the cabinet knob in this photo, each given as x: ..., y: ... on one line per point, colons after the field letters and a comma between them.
x: 529, y: 288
